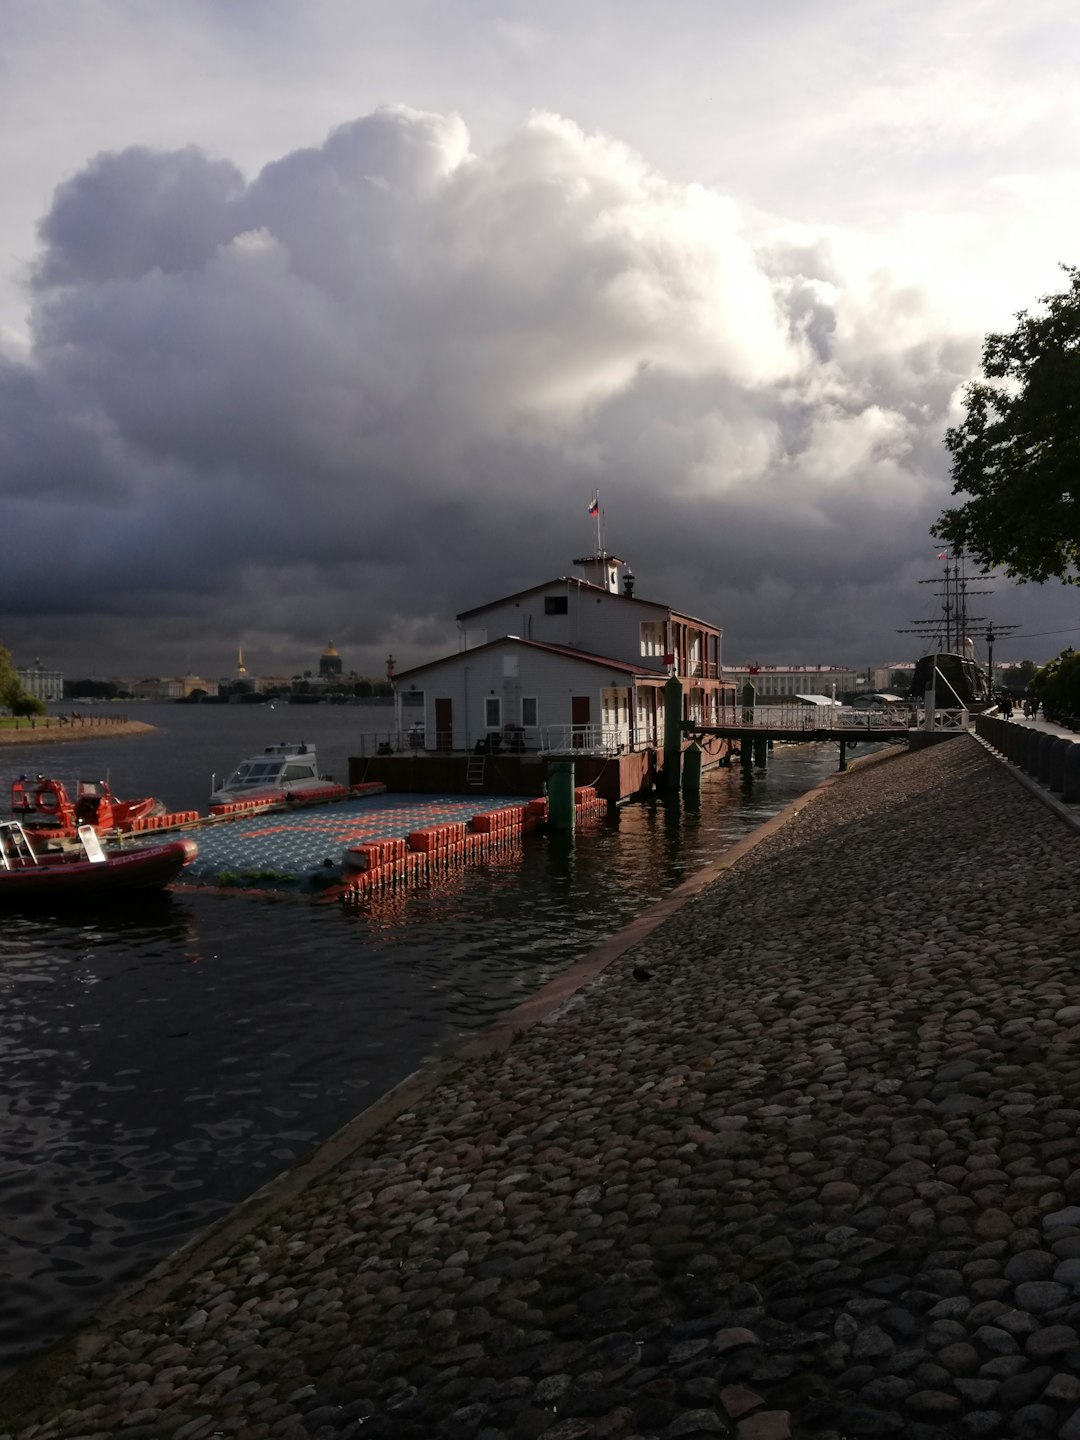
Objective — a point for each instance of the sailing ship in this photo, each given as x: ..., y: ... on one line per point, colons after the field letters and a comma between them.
x: 948, y: 665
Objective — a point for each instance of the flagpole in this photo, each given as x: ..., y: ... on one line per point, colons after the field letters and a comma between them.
x: 596, y: 501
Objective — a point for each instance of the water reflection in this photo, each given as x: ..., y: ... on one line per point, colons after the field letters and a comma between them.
x: 159, y: 1064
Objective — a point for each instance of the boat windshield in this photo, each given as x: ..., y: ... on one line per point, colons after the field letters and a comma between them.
x: 257, y: 772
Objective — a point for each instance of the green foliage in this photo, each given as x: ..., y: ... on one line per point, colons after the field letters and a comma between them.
x: 1057, y: 685
x: 26, y: 704
x: 13, y: 696
x: 1017, y: 453
x: 1019, y: 677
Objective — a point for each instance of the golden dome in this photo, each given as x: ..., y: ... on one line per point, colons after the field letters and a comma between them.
x: 329, y: 648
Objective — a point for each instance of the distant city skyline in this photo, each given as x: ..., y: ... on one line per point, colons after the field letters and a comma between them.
x: 324, y: 318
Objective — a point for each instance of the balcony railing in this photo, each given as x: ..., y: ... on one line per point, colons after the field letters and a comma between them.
x: 585, y: 740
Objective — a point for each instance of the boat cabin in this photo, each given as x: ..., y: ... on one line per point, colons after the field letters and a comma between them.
x: 278, y: 765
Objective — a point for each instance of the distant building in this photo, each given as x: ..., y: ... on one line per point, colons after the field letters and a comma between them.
x: 42, y: 683
x: 330, y: 665
x: 172, y: 687
x: 882, y: 675
x: 779, y: 682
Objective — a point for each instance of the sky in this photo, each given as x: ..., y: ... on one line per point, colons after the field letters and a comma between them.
x: 325, y: 319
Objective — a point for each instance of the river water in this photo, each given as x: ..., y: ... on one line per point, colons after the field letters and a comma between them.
x: 160, y: 1064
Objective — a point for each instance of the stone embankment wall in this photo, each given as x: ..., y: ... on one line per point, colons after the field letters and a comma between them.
x: 803, y: 1162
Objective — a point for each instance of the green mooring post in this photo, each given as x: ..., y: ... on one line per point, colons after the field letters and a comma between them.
x: 843, y: 754
x: 691, y: 774
x: 560, y: 796
x: 761, y: 751
x: 673, y: 701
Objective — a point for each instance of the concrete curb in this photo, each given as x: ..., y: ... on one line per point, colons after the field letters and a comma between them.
x: 29, y: 1386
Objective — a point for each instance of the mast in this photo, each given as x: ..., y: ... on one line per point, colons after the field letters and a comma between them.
x: 948, y: 631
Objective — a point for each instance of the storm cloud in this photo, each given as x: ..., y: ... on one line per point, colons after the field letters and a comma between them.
x: 379, y: 381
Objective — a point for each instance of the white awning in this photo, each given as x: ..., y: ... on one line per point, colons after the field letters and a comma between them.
x: 820, y: 700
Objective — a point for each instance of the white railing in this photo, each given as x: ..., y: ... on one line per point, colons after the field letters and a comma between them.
x: 947, y: 720
x: 795, y: 716
x: 583, y: 740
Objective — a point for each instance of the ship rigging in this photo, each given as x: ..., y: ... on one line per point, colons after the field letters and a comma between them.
x: 948, y: 666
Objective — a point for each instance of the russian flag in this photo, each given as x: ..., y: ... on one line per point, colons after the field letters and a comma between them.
x: 594, y: 508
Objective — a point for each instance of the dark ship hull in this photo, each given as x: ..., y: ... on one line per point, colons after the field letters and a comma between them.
x: 956, y: 680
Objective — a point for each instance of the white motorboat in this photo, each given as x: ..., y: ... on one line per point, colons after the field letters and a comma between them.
x: 281, y: 772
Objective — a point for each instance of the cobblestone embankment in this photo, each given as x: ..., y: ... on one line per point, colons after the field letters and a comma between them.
x: 805, y: 1162
x: 74, y: 730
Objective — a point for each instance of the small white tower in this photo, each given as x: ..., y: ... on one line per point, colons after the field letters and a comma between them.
x: 601, y: 569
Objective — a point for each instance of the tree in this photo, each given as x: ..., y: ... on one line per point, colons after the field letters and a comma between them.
x: 1057, y: 685
x: 13, y: 694
x: 1020, y: 676
x: 1017, y: 452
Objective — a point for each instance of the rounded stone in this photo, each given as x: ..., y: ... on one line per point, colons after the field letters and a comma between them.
x: 1038, y: 1296
x: 993, y: 1225
x: 959, y: 1359
x: 1030, y: 1265
x: 1051, y: 1341
x: 933, y: 1403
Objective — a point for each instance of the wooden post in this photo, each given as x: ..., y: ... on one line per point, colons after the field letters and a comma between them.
x: 691, y: 781
x: 560, y: 795
x: 673, y: 697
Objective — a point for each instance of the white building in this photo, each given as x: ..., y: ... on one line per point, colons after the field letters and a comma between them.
x: 36, y: 680
x: 576, y: 663
x: 780, y: 682
x: 883, y: 675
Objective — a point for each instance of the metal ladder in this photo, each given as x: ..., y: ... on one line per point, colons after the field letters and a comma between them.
x: 15, y: 851
x: 474, y: 773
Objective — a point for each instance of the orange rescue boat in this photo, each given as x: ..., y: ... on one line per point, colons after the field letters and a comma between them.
x: 46, y: 811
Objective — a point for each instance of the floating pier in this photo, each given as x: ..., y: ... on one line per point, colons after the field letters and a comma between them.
x: 353, y: 847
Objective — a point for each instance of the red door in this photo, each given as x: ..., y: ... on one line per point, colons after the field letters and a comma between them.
x: 444, y: 725
x: 580, y: 713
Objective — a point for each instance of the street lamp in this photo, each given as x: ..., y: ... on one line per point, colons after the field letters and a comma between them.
x: 990, y: 638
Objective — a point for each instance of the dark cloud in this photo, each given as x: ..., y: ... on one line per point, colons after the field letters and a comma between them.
x: 378, y: 384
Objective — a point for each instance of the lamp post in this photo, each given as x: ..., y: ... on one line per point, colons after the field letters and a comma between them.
x: 990, y: 638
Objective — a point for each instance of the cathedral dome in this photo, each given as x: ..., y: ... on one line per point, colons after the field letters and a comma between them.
x: 330, y: 661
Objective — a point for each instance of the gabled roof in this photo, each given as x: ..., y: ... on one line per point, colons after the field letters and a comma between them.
x: 603, y: 661
x: 545, y: 585
x: 585, y: 585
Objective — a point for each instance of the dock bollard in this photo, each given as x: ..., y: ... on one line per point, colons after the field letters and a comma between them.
x: 560, y: 796
x: 1070, y: 790
x: 1029, y: 759
x: 1058, y: 750
x: 1046, y: 744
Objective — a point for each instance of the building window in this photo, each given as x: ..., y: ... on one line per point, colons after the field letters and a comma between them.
x: 492, y: 712
x: 556, y: 605
x: 652, y: 637
x: 529, y: 712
